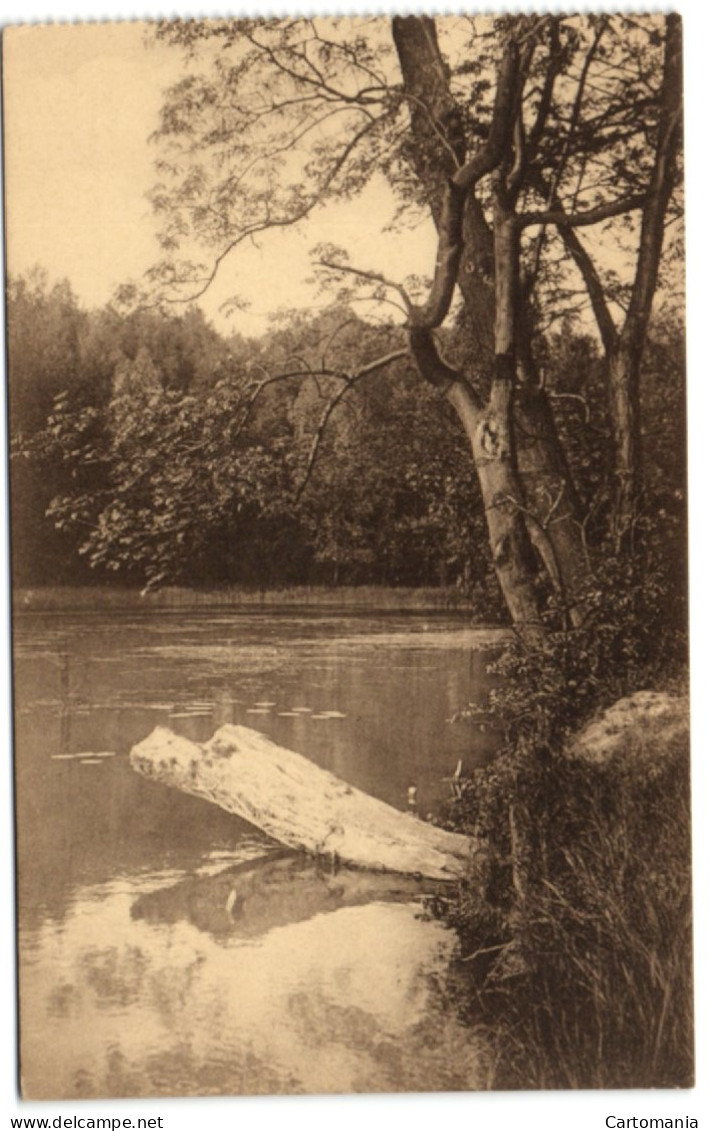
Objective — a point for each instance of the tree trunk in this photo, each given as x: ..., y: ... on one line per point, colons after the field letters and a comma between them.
x: 547, y: 489
x: 624, y: 364
x: 509, y: 542
x: 550, y: 498
x: 524, y: 479
x: 624, y: 391
x: 487, y: 430
x: 298, y: 804
x: 624, y: 350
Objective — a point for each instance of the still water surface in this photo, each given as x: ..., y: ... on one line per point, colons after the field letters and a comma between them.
x: 166, y: 948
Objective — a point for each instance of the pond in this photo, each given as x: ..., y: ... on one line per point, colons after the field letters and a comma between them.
x: 136, y: 978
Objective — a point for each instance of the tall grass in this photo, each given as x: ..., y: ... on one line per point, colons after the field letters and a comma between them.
x: 576, y: 919
x: 365, y: 597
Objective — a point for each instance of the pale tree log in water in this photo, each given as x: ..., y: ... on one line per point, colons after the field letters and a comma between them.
x: 298, y: 804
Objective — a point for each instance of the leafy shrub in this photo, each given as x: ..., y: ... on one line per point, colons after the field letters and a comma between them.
x: 634, y: 635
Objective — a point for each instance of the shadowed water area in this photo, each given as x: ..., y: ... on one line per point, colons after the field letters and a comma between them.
x: 166, y: 948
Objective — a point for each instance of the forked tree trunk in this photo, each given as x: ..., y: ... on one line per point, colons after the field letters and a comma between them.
x: 524, y: 480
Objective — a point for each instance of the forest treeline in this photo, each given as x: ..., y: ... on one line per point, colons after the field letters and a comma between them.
x: 149, y: 449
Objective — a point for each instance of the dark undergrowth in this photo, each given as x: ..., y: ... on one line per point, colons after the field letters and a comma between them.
x: 575, y: 919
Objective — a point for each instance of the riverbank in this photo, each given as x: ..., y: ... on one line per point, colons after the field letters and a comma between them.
x: 577, y: 963
x: 371, y: 598
x: 365, y: 597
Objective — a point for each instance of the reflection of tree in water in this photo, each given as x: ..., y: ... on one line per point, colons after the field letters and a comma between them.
x: 116, y: 977
x: 434, y: 1049
x: 179, y: 1071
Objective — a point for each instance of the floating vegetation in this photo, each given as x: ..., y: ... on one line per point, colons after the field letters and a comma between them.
x: 84, y: 756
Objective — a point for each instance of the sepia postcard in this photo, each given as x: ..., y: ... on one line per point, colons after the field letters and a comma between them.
x: 349, y: 556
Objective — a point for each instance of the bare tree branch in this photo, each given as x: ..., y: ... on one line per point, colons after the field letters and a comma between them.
x: 555, y: 63
x: 589, y: 273
x: 583, y: 219
x: 659, y: 191
x: 578, y: 101
x: 372, y: 276
x: 349, y: 383
x: 448, y: 255
x: 594, y: 286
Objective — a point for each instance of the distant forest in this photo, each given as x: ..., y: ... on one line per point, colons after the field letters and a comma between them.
x: 149, y: 449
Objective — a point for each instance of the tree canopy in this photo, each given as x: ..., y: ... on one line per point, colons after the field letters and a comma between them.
x: 545, y: 150
x: 515, y: 134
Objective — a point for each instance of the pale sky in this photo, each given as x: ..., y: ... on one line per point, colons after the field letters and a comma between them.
x: 80, y: 104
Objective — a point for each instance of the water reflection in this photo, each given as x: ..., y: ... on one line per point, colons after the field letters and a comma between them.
x: 250, y: 899
x: 339, y: 1002
x: 153, y: 959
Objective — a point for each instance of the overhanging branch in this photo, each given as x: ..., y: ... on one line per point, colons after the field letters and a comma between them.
x: 280, y: 222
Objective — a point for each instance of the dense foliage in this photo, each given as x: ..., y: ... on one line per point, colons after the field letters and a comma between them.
x: 149, y: 449
x: 152, y: 450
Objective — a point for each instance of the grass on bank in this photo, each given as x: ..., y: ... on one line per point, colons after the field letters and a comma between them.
x: 576, y: 921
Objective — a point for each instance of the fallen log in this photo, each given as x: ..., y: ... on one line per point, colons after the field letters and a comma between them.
x: 298, y: 804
